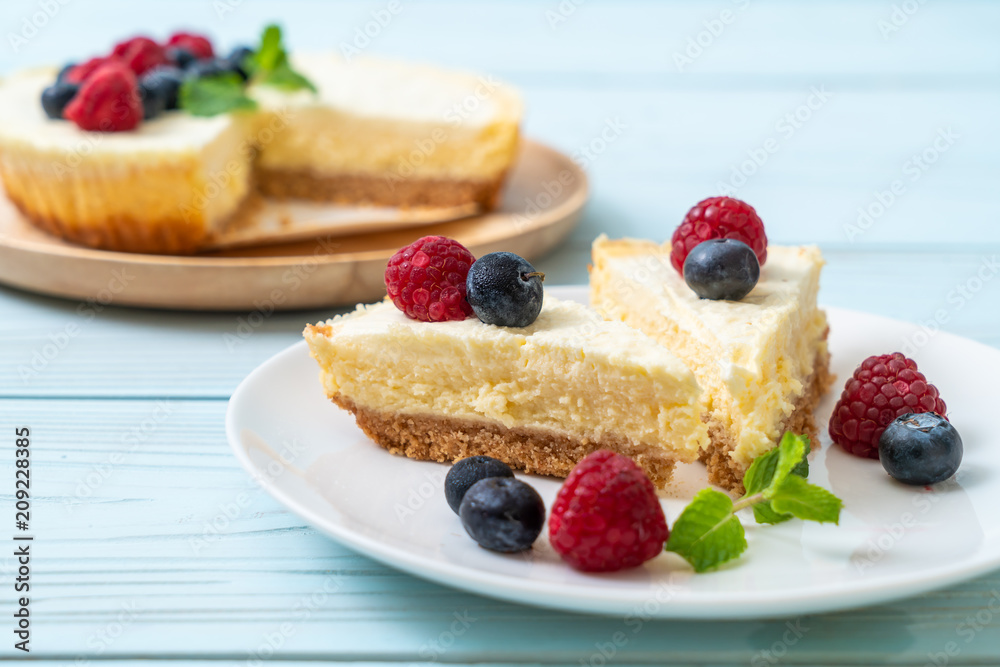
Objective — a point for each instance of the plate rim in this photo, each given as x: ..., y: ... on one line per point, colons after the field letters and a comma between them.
x: 826, y: 598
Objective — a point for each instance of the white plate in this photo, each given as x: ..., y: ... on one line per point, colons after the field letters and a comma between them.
x: 893, y: 541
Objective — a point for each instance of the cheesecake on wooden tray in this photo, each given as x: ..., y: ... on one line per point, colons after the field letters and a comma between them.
x: 157, y: 147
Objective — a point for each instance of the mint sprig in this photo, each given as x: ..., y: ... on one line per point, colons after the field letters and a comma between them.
x: 708, y: 532
x: 222, y: 93
x: 213, y: 95
x: 269, y: 65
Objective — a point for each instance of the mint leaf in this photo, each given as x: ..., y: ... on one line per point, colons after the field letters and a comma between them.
x: 772, y: 468
x: 807, y: 501
x: 791, y: 450
x: 763, y: 512
x: 210, y: 96
x: 269, y: 64
x: 707, y: 533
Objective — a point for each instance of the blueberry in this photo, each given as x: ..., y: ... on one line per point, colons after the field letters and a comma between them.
x: 467, y: 472
x: 64, y: 71
x: 919, y: 449
x: 56, y: 97
x: 502, y: 514
x: 238, y: 59
x: 721, y: 269
x: 504, y: 289
x: 208, y: 67
x: 181, y: 57
x: 159, y: 89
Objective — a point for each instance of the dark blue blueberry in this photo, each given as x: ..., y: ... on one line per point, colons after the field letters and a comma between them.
x: 181, y: 57
x: 502, y: 514
x: 64, y: 71
x: 504, y: 289
x: 56, y: 97
x: 721, y: 269
x: 238, y: 60
x: 467, y: 472
x: 159, y: 89
x: 919, y: 449
x: 208, y: 67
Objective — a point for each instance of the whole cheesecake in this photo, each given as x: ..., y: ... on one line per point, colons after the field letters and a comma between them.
x: 373, y: 132
x: 539, y: 398
x: 762, y: 361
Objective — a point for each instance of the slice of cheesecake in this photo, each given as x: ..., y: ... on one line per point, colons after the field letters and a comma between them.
x: 539, y: 398
x: 389, y: 133
x: 763, y: 361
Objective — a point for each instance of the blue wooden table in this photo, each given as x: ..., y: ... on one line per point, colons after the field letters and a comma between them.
x: 870, y: 128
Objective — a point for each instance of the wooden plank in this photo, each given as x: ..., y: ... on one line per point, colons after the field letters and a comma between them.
x: 124, y: 561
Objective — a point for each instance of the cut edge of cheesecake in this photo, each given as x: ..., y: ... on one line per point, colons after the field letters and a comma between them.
x: 647, y: 271
x: 596, y: 370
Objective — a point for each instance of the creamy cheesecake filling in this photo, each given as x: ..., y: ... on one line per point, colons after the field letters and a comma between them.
x: 752, y: 357
x: 173, y: 180
x: 569, y: 373
x: 392, y: 120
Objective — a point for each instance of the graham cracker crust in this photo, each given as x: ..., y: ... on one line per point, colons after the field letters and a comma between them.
x: 727, y: 473
x: 378, y: 190
x: 533, y: 450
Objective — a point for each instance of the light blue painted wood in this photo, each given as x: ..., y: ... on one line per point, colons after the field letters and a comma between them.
x: 141, y: 553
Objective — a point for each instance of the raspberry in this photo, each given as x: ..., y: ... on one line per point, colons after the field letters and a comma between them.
x: 200, y: 46
x: 80, y: 73
x: 141, y: 54
x: 606, y: 516
x: 718, y: 218
x: 881, y: 389
x: 426, y: 279
x: 108, y: 100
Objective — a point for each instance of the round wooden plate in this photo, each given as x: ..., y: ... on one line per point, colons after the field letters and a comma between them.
x: 542, y: 201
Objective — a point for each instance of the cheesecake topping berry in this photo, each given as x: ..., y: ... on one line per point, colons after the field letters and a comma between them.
x: 504, y: 289
x: 718, y: 218
x: 426, y: 279
x: 606, y: 516
x: 721, y: 269
x: 108, y: 101
x: 882, y: 388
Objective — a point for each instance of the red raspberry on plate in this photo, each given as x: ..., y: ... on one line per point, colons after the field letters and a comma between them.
x: 141, y: 54
x: 198, y: 45
x: 881, y: 389
x: 426, y: 279
x: 606, y: 516
x: 108, y: 100
x: 718, y: 218
x: 80, y: 73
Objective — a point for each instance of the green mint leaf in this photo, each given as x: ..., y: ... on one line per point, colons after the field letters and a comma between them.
x: 210, y: 96
x: 764, y: 513
x: 269, y: 64
x: 791, y: 450
x: 285, y: 78
x: 760, y: 473
x: 807, y: 501
x: 707, y: 533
